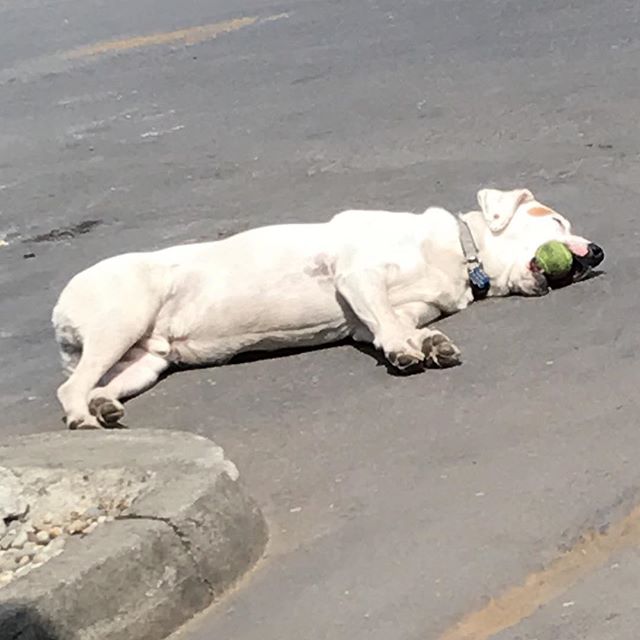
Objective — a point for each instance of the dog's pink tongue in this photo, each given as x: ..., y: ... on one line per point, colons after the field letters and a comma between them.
x: 578, y: 249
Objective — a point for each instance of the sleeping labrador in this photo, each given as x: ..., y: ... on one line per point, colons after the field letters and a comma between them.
x: 375, y: 276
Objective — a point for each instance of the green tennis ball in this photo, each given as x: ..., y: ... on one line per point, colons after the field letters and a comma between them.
x: 554, y: 258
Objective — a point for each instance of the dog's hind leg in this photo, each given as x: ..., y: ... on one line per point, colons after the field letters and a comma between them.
x: 100, y: 315
x: 102, y: 347
x: 134, y: 373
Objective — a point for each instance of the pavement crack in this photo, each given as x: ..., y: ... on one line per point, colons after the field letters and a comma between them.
x: 184, y: 540
x: 65, y: 233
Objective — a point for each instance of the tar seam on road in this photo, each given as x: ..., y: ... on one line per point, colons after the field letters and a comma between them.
x: 592, y: 551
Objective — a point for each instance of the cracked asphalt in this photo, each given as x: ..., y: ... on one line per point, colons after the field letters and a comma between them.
x: 396, y: 506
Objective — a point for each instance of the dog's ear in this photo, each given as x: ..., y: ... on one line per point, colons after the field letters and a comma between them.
x: 499, y: 206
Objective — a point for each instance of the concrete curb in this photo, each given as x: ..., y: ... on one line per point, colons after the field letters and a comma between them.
x: 189, y: 536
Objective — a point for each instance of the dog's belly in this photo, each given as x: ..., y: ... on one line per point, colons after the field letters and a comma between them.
x: 210, y: 324
x: 203, y: 350
x: 266, y: 289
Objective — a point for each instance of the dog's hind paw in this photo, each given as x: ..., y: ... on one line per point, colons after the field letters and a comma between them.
x: 440, y: 352
x: 82, y: 423
x: 108, y: 411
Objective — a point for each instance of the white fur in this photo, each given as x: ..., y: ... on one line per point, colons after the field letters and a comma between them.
x: 377, y: 276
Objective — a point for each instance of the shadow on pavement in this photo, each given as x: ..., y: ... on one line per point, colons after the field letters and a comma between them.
x: 19, y: 621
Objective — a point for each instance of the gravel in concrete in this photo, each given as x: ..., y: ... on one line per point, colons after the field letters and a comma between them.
x: 187, y: 535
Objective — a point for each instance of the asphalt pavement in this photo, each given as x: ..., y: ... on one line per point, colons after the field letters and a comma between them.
x: 397, y: 505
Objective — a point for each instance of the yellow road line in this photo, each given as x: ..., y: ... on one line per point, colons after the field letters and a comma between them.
x: 188, y: 36
x: 592, y: 551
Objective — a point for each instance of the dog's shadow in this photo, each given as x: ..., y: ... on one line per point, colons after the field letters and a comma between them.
x: 381, y: 361
x: 567, y: 282
x: 259, y: 356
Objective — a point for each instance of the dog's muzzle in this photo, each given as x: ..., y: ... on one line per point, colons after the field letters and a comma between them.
x: 582, y: 265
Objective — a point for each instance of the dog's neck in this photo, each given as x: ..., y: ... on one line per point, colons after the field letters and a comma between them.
x: 487, y: 253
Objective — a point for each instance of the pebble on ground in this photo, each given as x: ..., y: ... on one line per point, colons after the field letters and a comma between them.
x: 27, y: 543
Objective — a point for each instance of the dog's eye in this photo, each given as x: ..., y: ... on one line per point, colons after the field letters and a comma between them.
x: 561, y: 223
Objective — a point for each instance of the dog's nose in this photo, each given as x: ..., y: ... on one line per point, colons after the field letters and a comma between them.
x: 596, y: 255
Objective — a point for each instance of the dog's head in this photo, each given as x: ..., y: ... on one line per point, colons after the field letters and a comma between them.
x: 513, y: 225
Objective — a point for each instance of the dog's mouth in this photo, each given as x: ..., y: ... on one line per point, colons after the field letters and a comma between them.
x: 584, y: 261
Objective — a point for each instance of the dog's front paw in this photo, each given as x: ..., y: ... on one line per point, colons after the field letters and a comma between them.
x: 440, y: 352
x: 404, y: 355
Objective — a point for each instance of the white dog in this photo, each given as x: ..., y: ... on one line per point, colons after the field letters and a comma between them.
x: 374, y: 276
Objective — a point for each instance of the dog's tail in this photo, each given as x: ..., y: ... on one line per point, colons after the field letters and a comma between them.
x: 69, y: 342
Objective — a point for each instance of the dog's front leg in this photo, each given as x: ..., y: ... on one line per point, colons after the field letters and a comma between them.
x: 403, y: 344
x: 365, y: 290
